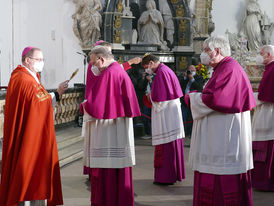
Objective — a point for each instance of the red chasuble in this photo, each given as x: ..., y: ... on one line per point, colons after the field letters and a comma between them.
x: 30, y: 165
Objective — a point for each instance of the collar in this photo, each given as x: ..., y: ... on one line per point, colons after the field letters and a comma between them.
x: 33, y: 74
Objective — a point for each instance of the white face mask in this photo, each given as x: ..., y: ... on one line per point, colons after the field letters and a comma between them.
x: 38, y: 66
x: 205, y: 58
x: 95, y: 70
x: 193, y: 73
x: 149, y: 71
x: 259, y: 59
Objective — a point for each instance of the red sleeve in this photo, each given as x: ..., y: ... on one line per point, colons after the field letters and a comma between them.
x: 126, y: 66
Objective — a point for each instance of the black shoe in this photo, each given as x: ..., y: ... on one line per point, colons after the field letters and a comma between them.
x: 162, y: 183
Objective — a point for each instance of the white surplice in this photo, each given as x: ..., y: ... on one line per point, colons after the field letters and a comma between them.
x: 167, y: 122
x: 263, y: 121
x: 220, y: 143
x: 108, y: 143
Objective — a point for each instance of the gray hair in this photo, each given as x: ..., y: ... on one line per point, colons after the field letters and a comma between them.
x: 218, y: 42
x: 101, y: 51
x: 268, y: 49
x: 29, y: 54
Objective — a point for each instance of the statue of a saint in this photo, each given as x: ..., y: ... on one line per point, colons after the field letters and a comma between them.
x: 267, y: 29
x: 168, y: 21
x: 251, y: 28
x: 87, y: 21
x: 151, y: 26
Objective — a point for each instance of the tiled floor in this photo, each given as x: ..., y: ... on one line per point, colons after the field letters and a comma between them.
x: 76, y: 188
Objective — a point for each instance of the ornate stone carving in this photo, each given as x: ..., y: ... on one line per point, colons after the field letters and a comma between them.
x: 174, y: 1
x: 239, y: 49
x: 168, y: 21
x: 180, y: 11
x: 151, y: 26
x: 183, y: 41
x: 251, y: 28
x: 183, y: 63
x: 118, y: 22
x: 66, y: 109
x: 183, y: 25
x: 87, y: 21
x: 117, y: 36
x: 256, y: 27
x: 267, y: 29
x: 120, y: 6
x: 203, y: 25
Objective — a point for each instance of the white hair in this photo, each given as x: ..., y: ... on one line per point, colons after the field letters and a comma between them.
x: 218, y: 42
x: 268, y: 49
x: 101, y: 51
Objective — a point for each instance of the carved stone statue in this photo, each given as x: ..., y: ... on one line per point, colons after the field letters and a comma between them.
x: 167, y: 16
x: 239, y: 49
x: 251, y: 28
x: 151, y: 26
x: 267, y: 29
x: 87, y: 21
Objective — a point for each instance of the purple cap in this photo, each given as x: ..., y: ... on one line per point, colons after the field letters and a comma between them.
x: 98, y: 42
x: 26, y: 50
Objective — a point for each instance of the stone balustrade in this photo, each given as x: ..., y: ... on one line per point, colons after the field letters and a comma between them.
x: 255, y: 73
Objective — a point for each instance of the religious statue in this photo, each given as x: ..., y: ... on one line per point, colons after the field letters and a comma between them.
x: 239, y: 49
x: 87, y: 21
x: 251, y: 28
x: 267, y: 29
x: 168, y: 20
x: 151, y: 26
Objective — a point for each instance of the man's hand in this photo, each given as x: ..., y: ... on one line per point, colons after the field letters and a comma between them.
x: 148, y: 96
x: 62, y: 87
x: 135, y: 60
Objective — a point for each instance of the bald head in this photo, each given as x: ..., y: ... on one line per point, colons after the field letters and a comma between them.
x: 192, y: 68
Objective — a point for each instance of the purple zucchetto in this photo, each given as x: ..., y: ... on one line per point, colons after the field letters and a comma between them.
x: 99, y: 42
x: 26, y: 50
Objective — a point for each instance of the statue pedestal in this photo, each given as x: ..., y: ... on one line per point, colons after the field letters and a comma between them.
x: 255, y: 73
x: 183, y: 48
x: 117, y: 46
x: 143, y: 47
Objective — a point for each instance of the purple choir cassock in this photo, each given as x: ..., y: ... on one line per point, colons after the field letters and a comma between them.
x: 218, y: 178
x: 88, y: 89
x: 263, y: 172
x: 167, y: 127
x: 263, y: 138
x: 110, y: 99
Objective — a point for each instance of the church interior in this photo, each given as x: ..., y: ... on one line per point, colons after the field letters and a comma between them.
x: 173, y: 30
